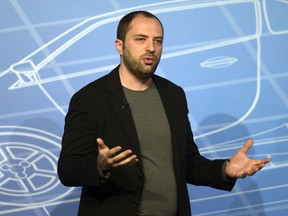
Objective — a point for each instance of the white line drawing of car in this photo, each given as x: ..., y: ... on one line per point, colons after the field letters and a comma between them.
x: 29, y: 70
x: 28, y: 167
x: 32, y: 69
x: 271, y: 9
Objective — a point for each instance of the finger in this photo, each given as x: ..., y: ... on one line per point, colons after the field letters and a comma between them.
x: 242, y: 175
x: 131, y: 160
x: 251, y: 172
x: 127, y: 161
x: 116, y: 158
x: 99, y: 141
x: 135, y: 160
x: 266, y: 160
x: 101, y: 144
x: 261, y: 163
x: 111, y: 152
x: 255, y: 169
x: 247, y: 146
x: 257, y: 166
x: 114, y: 152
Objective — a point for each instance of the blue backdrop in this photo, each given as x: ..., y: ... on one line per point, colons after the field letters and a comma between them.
x: 230, y: 57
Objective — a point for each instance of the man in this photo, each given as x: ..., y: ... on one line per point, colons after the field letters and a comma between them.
x: 127, y: 138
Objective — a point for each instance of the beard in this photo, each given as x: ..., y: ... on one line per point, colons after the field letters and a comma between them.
x: 137, y: 68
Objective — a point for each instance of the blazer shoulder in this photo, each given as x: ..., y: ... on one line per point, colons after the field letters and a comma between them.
x: 95, y: 87
x: 165, y: 83
x: 96, y: 84
x: 101, y: 85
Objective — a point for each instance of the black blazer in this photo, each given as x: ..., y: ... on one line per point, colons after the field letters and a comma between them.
x: 97, y: 111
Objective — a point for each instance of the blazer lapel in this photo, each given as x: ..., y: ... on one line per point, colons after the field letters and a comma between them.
x: 119, y: 103
x: 170, y: 103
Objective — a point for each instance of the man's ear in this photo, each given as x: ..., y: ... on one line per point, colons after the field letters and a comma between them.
x: 119, y: 46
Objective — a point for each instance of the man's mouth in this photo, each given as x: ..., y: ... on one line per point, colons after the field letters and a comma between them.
x: 148, y: 60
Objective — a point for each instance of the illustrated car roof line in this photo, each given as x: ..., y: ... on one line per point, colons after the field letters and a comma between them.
x: 20, y: 84
x: 115, y: 16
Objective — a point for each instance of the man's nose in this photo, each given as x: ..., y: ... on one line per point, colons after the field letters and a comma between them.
x: 150, y: 46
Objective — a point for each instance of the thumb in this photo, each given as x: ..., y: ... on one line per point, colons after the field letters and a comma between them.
x: 247, y: 146
x: 101, y: 144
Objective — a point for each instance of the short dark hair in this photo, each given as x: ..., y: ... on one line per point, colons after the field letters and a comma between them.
x: 124, y: 24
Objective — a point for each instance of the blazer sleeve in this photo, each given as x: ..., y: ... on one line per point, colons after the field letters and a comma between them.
x: 77, y: 164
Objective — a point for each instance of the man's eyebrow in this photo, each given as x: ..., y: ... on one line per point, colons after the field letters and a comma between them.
x: 146, y: 36
x: 141, y: 35
x: 159, y: 37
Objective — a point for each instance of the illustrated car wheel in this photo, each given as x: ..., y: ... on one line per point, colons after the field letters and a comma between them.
x: 28, y: 166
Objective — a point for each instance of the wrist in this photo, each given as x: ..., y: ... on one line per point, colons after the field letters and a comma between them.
x: 227, y: 176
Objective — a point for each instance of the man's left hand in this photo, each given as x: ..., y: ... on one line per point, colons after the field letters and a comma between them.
x: 240, y: 166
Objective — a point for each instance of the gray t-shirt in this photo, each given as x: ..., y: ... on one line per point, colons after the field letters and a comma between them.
x: 159, y: 196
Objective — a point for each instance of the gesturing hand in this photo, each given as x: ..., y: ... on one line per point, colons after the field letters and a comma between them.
x: 115, y: 157
x: 241, y: 166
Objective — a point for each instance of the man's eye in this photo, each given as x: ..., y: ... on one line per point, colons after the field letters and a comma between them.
x: 140, y: 39
x: 159, y: 41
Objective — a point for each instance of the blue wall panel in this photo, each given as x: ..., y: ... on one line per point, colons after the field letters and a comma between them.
x: 230, y: 57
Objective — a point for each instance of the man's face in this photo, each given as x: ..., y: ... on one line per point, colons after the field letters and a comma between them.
x: 143, y: 47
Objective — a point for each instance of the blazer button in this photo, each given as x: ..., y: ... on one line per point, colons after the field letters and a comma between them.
x: 136, y: 203
x: 140, y: 177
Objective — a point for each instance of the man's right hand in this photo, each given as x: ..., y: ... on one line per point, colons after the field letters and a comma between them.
x: 115, y: 157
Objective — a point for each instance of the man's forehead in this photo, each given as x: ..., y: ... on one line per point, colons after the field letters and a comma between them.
x: 143, y: 19
x: 141, y: 24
